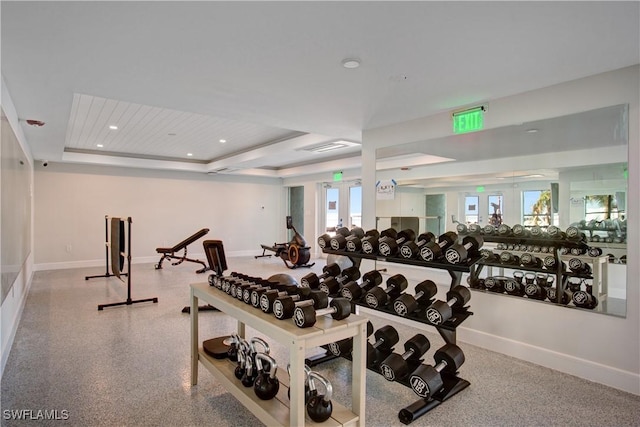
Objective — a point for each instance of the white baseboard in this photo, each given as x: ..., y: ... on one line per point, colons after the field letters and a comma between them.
x: 15, y: 321
x: 596, y: 372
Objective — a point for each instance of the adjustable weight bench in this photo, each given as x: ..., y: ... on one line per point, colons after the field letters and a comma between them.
x: 169, y: 253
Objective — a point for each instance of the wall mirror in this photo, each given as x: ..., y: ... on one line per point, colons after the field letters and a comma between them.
x: 569, y: 170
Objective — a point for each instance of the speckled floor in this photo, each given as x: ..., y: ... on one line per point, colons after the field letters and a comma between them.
x: 129, y: 366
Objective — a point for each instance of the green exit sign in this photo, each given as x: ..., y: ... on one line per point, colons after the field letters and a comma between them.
x: 468, y: 120
x: 337, y: 176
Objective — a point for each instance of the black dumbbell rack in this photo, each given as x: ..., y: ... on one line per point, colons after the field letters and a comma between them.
x: 562, y: 276
x: 452, y: 383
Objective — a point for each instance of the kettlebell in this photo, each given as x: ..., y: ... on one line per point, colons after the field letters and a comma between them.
x: 232, y: 353
x: 319, y: 406
x: 249, y: 372
x: 266, y: 385
x: 265, y: 349
x: 309, y: 387
x: 240, y: 367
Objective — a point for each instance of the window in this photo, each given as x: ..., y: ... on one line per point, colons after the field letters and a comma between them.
x: 471, y: 209
x: 536, y: 207
x: 332, y: 212
x: 355, y: 207
x: 495, y: 213
x: 600, y: 207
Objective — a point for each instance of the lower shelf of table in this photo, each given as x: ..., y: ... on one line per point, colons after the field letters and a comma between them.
x: 270, y: 412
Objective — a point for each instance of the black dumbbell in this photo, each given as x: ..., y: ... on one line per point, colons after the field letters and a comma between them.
x: 284, y: 307
x: 504, y: 230
x: 354, y: 243
x: 487, y: 255
x: 266, y: 384
x: 312, y: 280
x: 536, y: 232
x: 434, y: 251
x: 550, y: 262
x: 494, y: 284
x: 256, y: 294
x: 556, y: 233
x: 390, y: 245
x: 474, y: 229
x: 488, y: 230
x: 411, y: 249
x: 319, y: 406
x: 585, y: 299
x: 395, y: 366
x: 520, y: 230
x: 267, y: 299
x: 370, y: 243
x: 377, y: 296
x: 345, y: 347
x: 459, y: 253
x: 594, y: 252
x: 426, y: 380
x: 324, y: 241
x: 339, y: 241
x: 332, y: 285
x: 535, y: 291
x: 306, y: 316
x: 354, y: 291
x: 513, y: 287
x: 386, y: 337
x: 565, y: 298
x: 530, y: 260
x: 579, y: 267
x: 441, y: 311
x: 407, y: 304
x: 509, y: 258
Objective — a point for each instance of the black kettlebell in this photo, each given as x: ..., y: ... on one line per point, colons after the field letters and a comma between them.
x: 309, y: 387
x: 265, y: 347
x: 232, y: 353
x: 266, y: 385
x: 249, y: 372
x: 241, y: 366
x: 319, y: 406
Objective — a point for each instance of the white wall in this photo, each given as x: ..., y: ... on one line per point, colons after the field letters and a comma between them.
x: 11, y: 309
x: 71, y: 202
x: 600, y: 348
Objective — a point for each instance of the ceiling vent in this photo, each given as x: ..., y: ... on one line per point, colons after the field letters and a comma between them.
x: 222, y: 170
x: 329, y: 146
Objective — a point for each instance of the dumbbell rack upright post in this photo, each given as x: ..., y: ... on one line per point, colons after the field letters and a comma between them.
x: 281, y: 411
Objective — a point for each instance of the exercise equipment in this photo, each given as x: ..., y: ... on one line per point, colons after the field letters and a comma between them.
x: 214, y: 251
x: 354, y: 243
x: 170, y: 253
x: 411, y: 249
x: 377, y: 296
x: 284, y: 307
x: 406, y: 304
x: 585, y: 299
x: 319, y: 406
x: 433, y: 251
x: 354, y: 291
x: 370, y: 243
x: 218, y: 347
x: 396, y: 366
x: 345, y: 347
x: 305, y: 316
x: 389, y: 245
x: 294, y: 253
x: 331, y: 285
x: 268, y: 299
x: 441, y: 311
x: 266, y: 384
x: 116, y: 252
x: 459, y: 253
x: 386, y: 337
x: 339, y: 241
x: 427, y: 380
x: 312, y: 280
x: 107, y: 247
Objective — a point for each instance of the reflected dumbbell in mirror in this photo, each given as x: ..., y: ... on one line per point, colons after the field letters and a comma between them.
x: 433, y: 251
x: 513, y: 285
x: 494, y: 284
x: 585, y: 298
x: 441, y: 311
x: 427, y: 380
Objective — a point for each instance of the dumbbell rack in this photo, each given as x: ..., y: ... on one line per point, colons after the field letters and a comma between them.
x: 561, y: 275
x: 281, y: 411
x: 452, y: 383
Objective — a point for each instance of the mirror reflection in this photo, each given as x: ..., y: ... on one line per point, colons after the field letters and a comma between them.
x: 563, y: 171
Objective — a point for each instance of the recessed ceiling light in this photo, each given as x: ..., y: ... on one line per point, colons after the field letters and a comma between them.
x: 189, y: 154
x: 223, y: 141
x: 532, y: 130
x: 535, y: 175
x: 113, y: 127
x: 99, y: 145
x: 350, y: 63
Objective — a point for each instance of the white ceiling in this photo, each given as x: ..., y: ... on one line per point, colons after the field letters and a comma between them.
x: 268, y: 75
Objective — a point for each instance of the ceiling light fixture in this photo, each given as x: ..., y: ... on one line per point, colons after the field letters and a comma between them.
x: 532, y: 130
x: 189, y: 154
x: 350, y: 63
x: 113, y: 127
x: 99, y: 145
x: 222, y: 141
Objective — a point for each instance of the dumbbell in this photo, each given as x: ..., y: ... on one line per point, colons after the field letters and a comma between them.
x: 594, y: 251
x: 319, y: 406
x: 370, y: 243
x: 407, y: 304
x: 494, y: 284
x: 434, y: 251
x: 345, y: 347
x: 459, y: 253
x: 520, y: 230
x: 256, y: 294
x: 474, y: 229
x: 441, y: 311
x: 354, y: 291
x: 266, y: 384
x: 284, y: 307
x: 488, y: 230
x: 305, y: 316
x: 585, y: 299
x: 390, y: 245
x: 578, y: 251
x: 396, y: 366
x: 312, y: 280
x: 332, y: 285
x: 461, y: 228
x: 386, y: 337
x: 534, y: 290
x: 536, y: 232
x: 530, y: 260
x: 513, y: 287
x: 574, y: 233
x: 377, y: 296
x: 504, y: 230
x: 411, y: 249
x: 426, y: 380
x: 555, y: 232
x: 579, y: 267
x: 354, y: 243
x: 565, y: 298
x: 339, y: 241
x: 509, y: 258
x: 487, y: 255
x: 551, y: 263
x: 267, y: 299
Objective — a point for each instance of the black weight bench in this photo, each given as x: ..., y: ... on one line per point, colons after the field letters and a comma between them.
x: 169, y: 253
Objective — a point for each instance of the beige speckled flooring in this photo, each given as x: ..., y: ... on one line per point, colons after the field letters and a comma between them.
x: 129, y: 366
